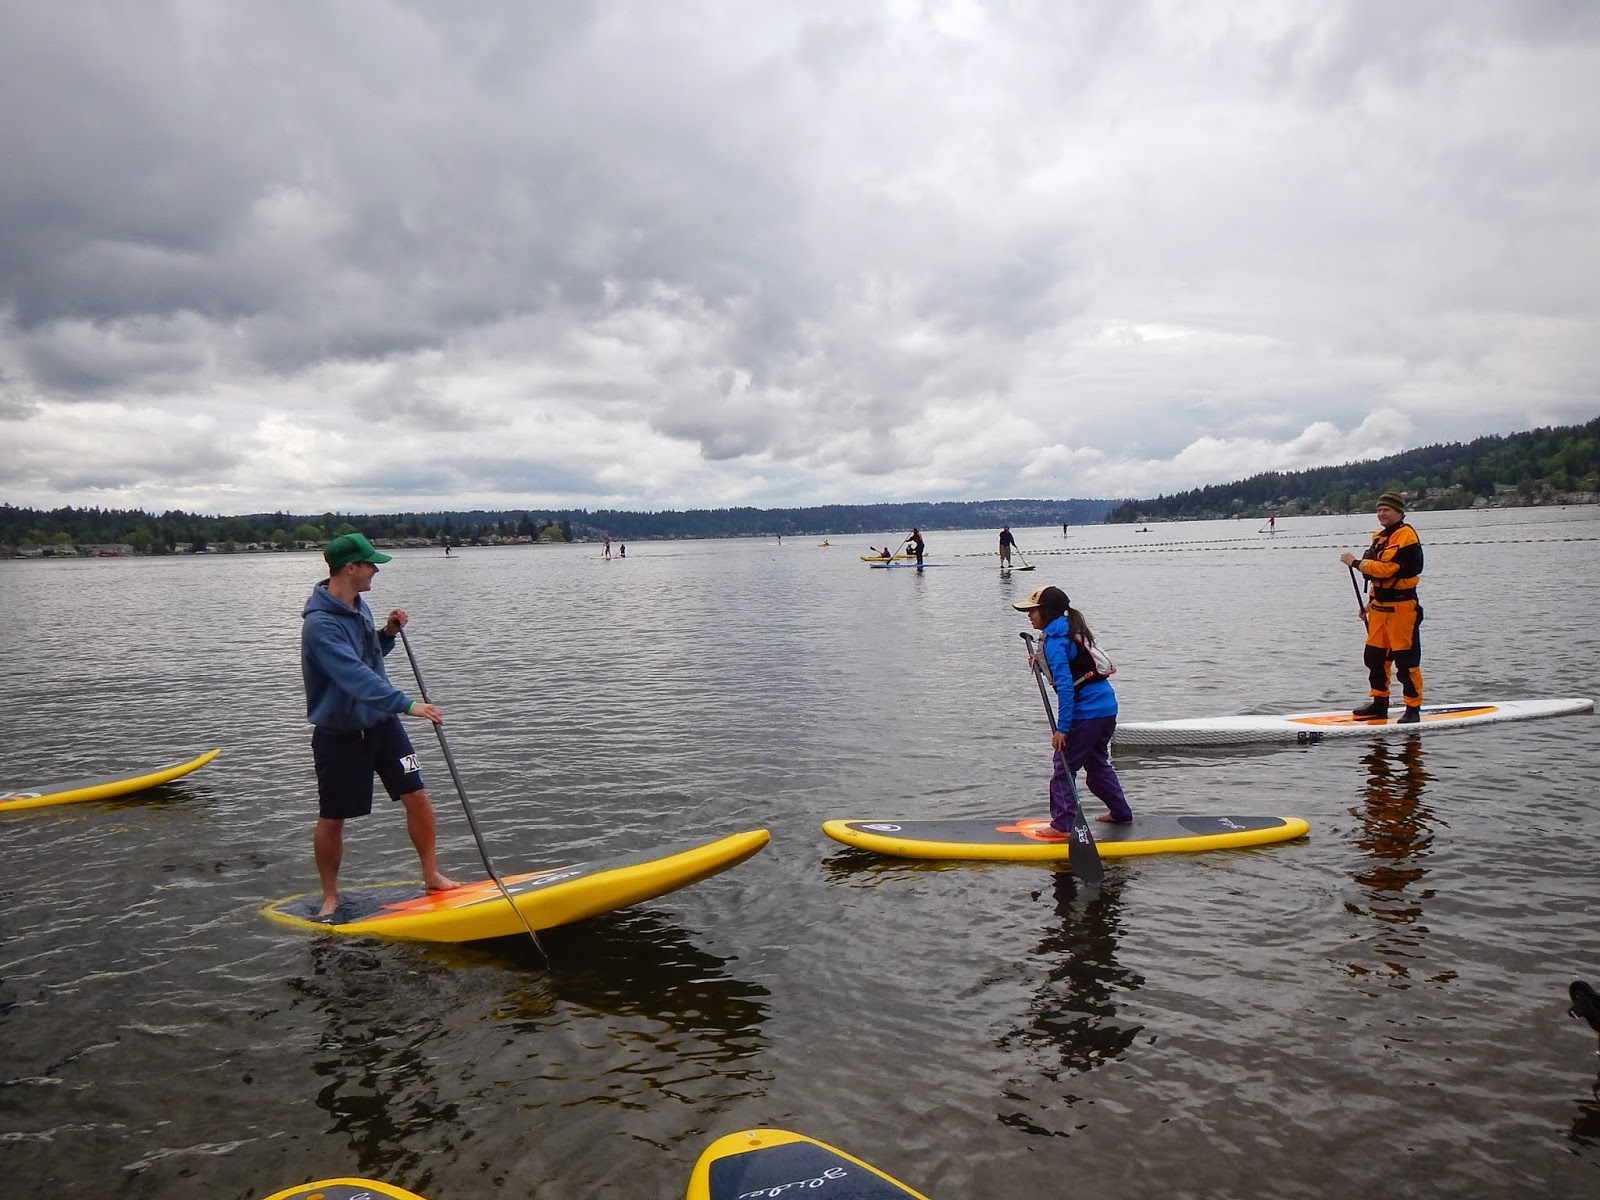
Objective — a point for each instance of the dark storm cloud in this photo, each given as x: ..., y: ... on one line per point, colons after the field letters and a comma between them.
x: 844, y: 246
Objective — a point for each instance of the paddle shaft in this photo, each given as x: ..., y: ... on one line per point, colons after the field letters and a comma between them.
x: 1082, y: 854
x: 1361, y: 605
x: 466, y: 807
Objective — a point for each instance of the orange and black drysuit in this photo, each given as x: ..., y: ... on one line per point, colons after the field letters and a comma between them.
x: 1392, y: 566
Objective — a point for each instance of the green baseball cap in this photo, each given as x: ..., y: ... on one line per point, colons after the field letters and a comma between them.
x: 350, y: 548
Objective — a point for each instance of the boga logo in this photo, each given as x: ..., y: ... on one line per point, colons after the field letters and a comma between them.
x: 882, y: 827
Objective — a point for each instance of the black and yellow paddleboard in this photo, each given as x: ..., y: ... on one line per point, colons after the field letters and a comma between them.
x: 344, y: 1189
x: 103, y: 788
x: 549, y: 898
x: 775, y: 1162
x: 1011, y: 839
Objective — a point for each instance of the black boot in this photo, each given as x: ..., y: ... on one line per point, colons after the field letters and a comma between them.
x: 1411, y: 716
x: 1378, y: 707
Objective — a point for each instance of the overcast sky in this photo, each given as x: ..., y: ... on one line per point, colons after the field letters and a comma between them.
x: 371, y: 255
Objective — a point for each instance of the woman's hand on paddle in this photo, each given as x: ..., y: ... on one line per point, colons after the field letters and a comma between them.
x: 431, y: 712
x: 1058, y: 743
x: 1348, y: 559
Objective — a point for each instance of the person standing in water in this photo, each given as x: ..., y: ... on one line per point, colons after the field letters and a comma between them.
x: 1007, y: 542
x: 1086, y: 708
x: 1392, y: 566
x: 354, y: 713
x: 916, y: 544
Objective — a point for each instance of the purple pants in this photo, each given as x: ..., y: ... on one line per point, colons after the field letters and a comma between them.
x: 1089, y: 747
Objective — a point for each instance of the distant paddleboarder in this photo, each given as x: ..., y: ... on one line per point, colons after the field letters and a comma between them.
x: 916, y: 543
x: 1007, y: 542
x: 1392, y: 566
x: 355, y: 714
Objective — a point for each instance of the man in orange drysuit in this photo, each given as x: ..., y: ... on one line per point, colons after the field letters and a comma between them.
x: 1392, y: 566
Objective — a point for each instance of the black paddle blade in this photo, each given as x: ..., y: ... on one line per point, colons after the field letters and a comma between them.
x: 1083, y: 856
x: 1585, y: 1004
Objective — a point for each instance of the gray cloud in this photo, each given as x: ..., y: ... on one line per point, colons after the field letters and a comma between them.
x: 668, y: 255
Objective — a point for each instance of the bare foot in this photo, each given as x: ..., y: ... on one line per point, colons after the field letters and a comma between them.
x: 439, y: 883
x: 1110, y: 820
x: 330, y: 905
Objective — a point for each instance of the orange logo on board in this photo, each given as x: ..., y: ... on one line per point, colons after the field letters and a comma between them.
x: 1038, y: 831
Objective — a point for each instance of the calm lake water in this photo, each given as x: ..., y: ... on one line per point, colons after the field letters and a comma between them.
x: 1379, y: 1008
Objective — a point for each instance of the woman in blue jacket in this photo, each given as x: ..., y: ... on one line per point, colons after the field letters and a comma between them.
x: 1086, y: 708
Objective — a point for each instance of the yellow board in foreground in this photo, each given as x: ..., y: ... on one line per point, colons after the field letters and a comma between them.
x: 104, y: 788
x: 344, y: 1189
x: 775, y: 1162
x: 558, y: 896
x: 1012, y: 839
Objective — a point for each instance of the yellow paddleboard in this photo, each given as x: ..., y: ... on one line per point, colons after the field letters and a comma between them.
x: 104, y: 788
x: 549, y: 898
x: 775, y: 1162
x: 344, y: 1189
x: 1012, y: 839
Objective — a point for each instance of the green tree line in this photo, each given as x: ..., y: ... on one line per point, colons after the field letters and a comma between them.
x: 166, y: 533
x: 1536, y: 467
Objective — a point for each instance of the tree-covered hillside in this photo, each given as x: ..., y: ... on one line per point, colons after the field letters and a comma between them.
x: 178, y: 532
x: 1543, y: 466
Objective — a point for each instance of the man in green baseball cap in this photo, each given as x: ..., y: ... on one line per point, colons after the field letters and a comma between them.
x: 350, y: 548
x: 355, y: 714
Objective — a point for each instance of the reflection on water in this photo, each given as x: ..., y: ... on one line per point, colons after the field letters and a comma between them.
x: 1072, y: 1025
x: 381, y: 1086
x: 1586, y: 1125
x: 668, y: 1018
x: 1397, y: 838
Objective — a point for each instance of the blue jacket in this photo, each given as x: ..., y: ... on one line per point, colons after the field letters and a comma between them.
x: 341, y: 660
x: 1092, y: 700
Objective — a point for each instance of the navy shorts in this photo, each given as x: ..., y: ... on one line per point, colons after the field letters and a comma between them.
x: 346, y: 761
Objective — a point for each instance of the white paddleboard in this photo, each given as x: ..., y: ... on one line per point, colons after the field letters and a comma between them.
x: 1310, y: 727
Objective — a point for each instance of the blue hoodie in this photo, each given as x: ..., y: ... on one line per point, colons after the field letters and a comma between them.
x: 341, y: 659
x: 1092, y: 700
